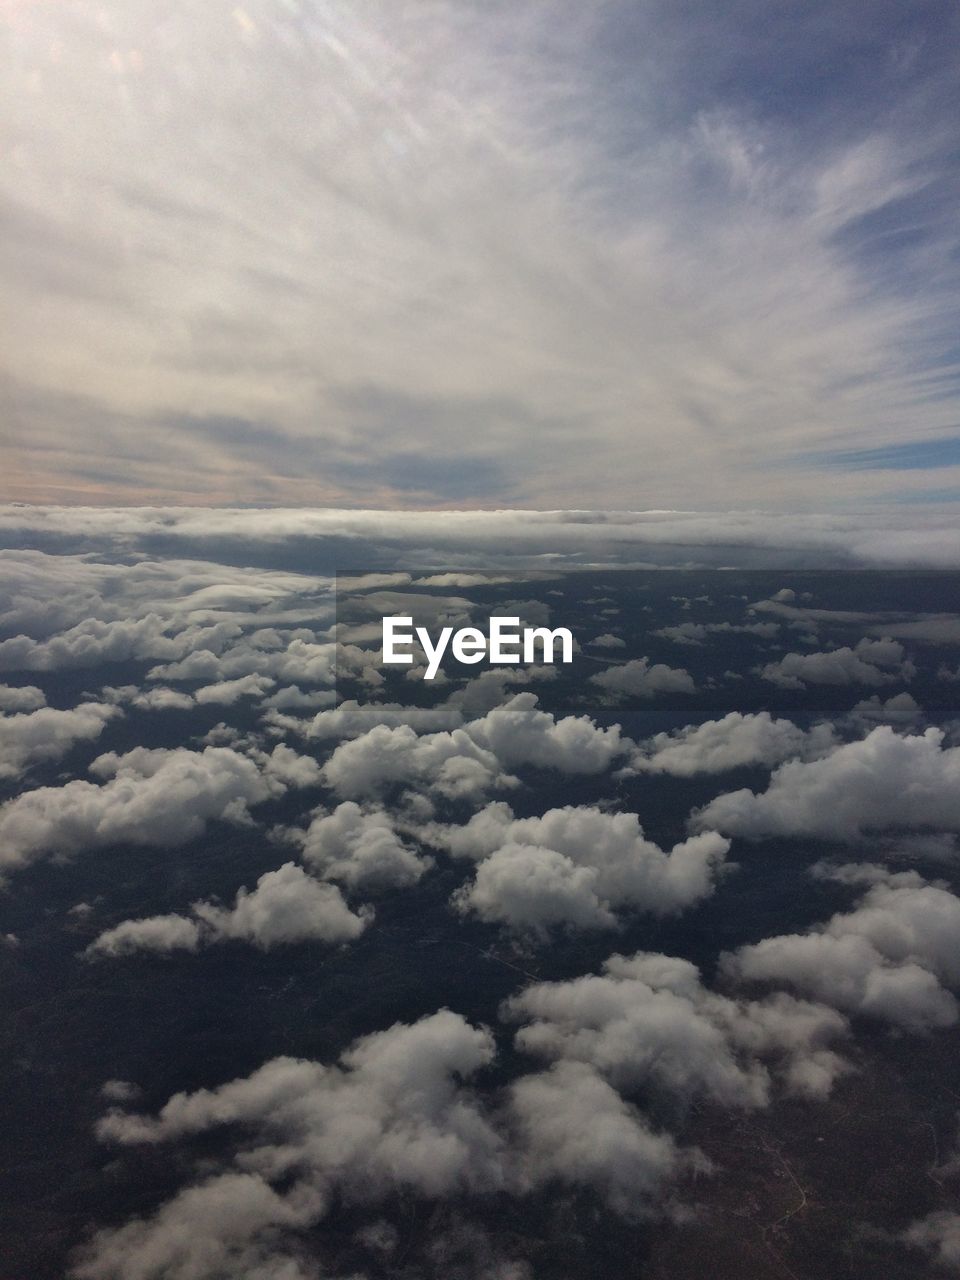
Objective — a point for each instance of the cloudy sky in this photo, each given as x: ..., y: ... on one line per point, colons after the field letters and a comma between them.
x: 660, y: 254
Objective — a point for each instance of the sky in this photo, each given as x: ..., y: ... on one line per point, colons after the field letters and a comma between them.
x: 428, y: 255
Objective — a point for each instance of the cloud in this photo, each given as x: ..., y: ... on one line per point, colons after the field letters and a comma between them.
x: 591, y: 293
x: 902, y: 711
x: 93, y: 642
x: 350, y: 718
x: 871, y: 662
x: 208, y: 1229
x: 574, y: 867
x: 575, y: 1130
x: 396, y: 1113
x: 48, y: 734
x: 291, y: 697
x: 301, y: 660
x: 638, y: 679
x: 73, y: 589
x: 467, y: 761
x: 607, y: 641
x: 161, y: 699
x: 399, y: 1114
x: 519, y: 733
x: 150, y: 797
x: 361, y: 848
x: 938, y: 1234
x: 154, y: 933
x: 450, y: 764
x: 227, y: 692
x: 885, y: 959
x: 736, y: 740
x: 884, y: 781
x: 648, y: 1024
x: 53, y: 595
x: 696, y: 633
x: 26, y: 697
x: 942, y: 629
x: 287, y: 906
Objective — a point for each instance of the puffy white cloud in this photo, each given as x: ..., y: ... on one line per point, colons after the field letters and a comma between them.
x: 519, y: 733
x: 51, y: 594
x: 350, y: 719
x: 94, y: 641
x: 648, y: 1022
x: 286, y: 906
x: 638, y: 679
x: 394, y: 1115
x: 735, y: 740
x: 871, y: 662
x: 150, y: 797
x: 476, y: 698
x: 292, y: 696
x: 360, y: 847
x: 883, y: 781
x: 450, y: 764
x: 574, y: 1129
x: 26, y: 697
x: 153, y: 933
x: 227, y: 692
x: 470, y: 760
x: 532, y: 889
x: 300, y: 661
x: 48, y: 734
x: 607, y: 641
x: 885, y: 959
x: 284, y: 767
x: 162, y: 699
x: 575, y: 867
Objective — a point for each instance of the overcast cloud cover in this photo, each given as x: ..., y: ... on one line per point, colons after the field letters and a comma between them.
x: 404, y: 254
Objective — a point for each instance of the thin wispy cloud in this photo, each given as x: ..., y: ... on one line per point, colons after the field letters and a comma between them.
x: 606, y: 255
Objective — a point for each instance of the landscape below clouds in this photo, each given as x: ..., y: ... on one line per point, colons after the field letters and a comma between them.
x: 315, y: 968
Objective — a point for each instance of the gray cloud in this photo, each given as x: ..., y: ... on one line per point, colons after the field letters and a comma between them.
x: 576, y: 867
x: 361, y: 848
x: 884, y: 781
x: 574, y: 1129
x: 736, y: 740
x: 47, y: 734
x: 26, y: 697
x: 470, y: 760
x: 885, y: 959
x: 648, y: 1022
x: 696, y: 633
x: 638, y: 679
x: 149, y: 797
x: 474, y: 539
x: 357, y: 262
x: 871, y: 662
x: 938, y: 1234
